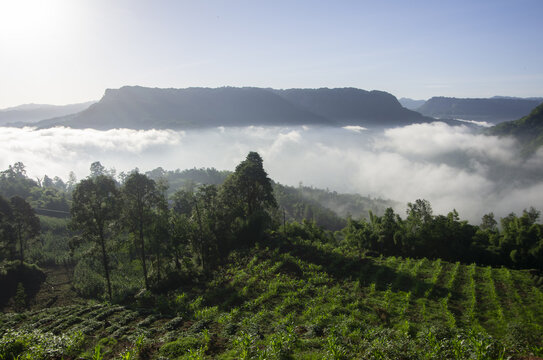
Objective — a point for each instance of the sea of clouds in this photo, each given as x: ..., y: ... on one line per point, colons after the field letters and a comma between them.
x: 451, y: 166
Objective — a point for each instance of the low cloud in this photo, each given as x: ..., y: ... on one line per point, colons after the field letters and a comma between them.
x: 452, y: 167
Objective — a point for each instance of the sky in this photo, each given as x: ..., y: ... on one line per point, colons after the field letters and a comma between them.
x: 69, y: 51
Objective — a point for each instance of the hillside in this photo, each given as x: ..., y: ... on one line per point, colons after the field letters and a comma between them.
x: 145, y: 108
x: 32, y: 113
x: 217, y: 272
x: 529, y: 130
x: 350, y: 106
x: 493, y: 110
x: 302, y: 301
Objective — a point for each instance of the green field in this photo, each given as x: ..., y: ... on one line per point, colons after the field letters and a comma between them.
x: 303, y: 300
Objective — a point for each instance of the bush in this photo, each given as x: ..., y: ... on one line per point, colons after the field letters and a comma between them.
x: 38, y: 345
x: 180, y: 347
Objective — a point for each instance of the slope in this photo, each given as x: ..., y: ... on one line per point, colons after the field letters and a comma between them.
x: 145, y: 108
x: 350, y: 106
x: 31, y: 113
x: 493, y: 110
x: 528, y: 130
x: 307, y: 301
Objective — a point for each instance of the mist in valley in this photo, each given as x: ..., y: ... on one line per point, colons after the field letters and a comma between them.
x: 454, y: 167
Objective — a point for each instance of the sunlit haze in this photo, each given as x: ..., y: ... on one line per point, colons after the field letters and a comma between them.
x: 62, y: 51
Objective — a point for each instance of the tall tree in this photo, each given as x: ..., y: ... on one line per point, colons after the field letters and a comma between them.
x: 140, y: 199
x: 96, y: 205
x: 25, y: 223
x: 251, y: 186
x: 247, y: 201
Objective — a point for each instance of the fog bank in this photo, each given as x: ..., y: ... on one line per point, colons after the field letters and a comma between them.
x: 452, y: 167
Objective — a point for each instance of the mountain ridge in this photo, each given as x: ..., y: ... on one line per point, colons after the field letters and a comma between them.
x: 494, y: 110
x: 27, y: 114
x: 145, y: 108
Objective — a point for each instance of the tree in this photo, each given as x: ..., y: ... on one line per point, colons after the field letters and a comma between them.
x: 7, y: 233
x: 14, y: 181
x: 97, y: 169
x: 359, y: 234
x: 140, y: 199
x: 96, y: 206
x: 488, y: 222
x: 72, y: 182
x: 250, y: 187
x: 25, y: 223
x: 419, y: 212
x: 246, y: 200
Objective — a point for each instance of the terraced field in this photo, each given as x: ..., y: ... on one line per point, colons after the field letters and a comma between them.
x: 305, y: 302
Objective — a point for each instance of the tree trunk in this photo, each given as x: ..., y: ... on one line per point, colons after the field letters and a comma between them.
x: 21, y: 247
x: 106, y: 265
x: 202, y: 255
x: 143, y: 262
x: 158, y: 264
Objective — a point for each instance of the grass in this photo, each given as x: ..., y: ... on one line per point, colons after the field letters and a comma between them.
x: 320, y: 303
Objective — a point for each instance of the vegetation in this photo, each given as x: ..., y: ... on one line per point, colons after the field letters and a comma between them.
x: 216, y: 271
x: 528, y: 129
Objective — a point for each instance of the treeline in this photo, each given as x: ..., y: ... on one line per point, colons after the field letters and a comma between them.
x: 133, y: 231
x: 519, y: 242
x: 49, y: 196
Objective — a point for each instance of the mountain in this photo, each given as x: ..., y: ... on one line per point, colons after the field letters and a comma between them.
x: 350, y: 106
x: 32, y: 113
x: 494, y: 110
x: 540, y: 99
x: 410, y: 103
x: 145, y: 108
x: 528, y: 130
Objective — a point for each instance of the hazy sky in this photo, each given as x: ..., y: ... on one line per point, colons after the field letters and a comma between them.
x: 66, y: 51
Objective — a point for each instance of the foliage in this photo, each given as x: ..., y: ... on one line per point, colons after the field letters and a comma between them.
x: 95, y: 208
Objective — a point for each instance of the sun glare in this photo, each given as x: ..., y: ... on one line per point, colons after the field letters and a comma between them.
x: 26, y: 19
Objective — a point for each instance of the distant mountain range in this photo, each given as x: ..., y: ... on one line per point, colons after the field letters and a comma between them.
x: 32, y: 113
x: 528, y: 130
x: 411, y: 104
x: 493, y: 110
x: 145, y: 108
x: 138, y: 107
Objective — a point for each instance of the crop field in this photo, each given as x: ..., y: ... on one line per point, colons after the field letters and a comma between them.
x: 303, y: 301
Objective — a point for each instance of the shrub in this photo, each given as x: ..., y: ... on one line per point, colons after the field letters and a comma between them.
x: 180, y: 347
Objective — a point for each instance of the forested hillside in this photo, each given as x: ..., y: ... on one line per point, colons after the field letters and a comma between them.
x: 528, y: 130
x: 229, y: 265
